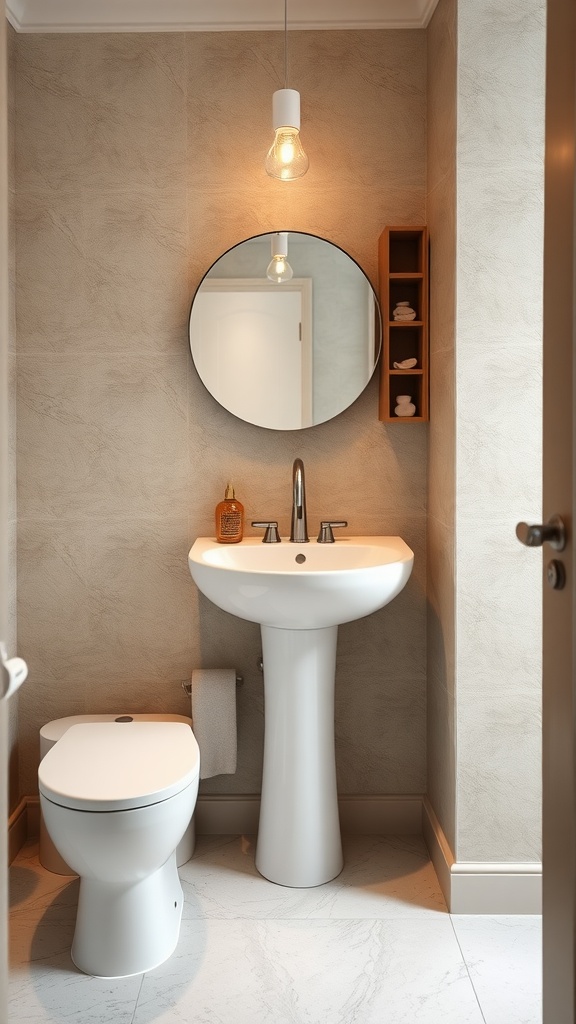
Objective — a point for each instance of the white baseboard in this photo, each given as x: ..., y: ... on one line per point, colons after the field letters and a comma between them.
x: 238, y: 815
x: 227, y: 815
x: 17, y: 829
x: 359, y: 815
x: 33, y: 812
x: 380, y: 815
x: 481, y: 888
x: 438, y: 847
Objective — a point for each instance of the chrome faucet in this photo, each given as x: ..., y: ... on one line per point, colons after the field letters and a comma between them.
x: 299, y: 527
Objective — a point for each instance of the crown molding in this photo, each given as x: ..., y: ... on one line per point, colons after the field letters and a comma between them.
x: 213, y: 15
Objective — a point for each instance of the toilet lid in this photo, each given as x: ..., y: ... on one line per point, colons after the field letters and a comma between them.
x: 119, y: 765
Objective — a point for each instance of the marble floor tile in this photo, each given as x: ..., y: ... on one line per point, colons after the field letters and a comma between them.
x: 30, y: 885
x: 504, y: 960
x: 383, y: 877
x: 396, y: 971
x: 374, y: 946
x: 44, y: 984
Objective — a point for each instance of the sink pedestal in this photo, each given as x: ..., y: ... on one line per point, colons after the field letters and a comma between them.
x: 299, y: 593
x: 299, y: 833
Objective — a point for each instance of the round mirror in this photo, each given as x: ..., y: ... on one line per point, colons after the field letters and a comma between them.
x: 285, y: 330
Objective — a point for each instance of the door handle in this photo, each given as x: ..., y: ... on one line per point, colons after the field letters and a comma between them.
x: 13, y: 672
x: 553, y: 532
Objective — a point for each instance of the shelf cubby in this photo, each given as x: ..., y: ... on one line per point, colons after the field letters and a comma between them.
x: 403, y: 277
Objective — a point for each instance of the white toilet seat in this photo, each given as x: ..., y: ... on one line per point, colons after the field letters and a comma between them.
x: 119, y: 765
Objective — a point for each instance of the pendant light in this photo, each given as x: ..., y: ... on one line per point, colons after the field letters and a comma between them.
x: 286, y: 159
x: 279, y: 270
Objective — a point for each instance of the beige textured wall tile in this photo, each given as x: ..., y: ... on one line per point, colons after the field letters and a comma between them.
x: 441, y: 218
x: 506, y: 811
x: 52, y: 294
x: 501, y: 56
x: 385, y: 753
x: 135, y: 248
x: 440, y: 632
x: 55, y: 142
x: 102, y: 271
x: 484, y: 436
x: 14, y: 788
x: 499, y: 324
x: 442, y: 442
x: 512, y: 655
x: 11, y: 480
x: 118, y: 221
x: 97, y: 110
x: 500, y: 221
x: 11, y: 540
x: 142, y: 603
x: 135, y: 88
x: 497, y: 470
x: 54, y: 593
x: 54, y: 634
x: 102, y: 435
x: 441, y: 93
x: 441, y: 751
x: 12, y: 264
x: 11, y: 101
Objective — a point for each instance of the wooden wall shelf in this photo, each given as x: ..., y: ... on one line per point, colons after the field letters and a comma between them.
x: 403, y: 277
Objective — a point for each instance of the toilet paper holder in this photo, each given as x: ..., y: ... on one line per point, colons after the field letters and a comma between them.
x: 187, y: 685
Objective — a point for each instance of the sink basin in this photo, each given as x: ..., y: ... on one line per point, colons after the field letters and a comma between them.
x: 301, y: 586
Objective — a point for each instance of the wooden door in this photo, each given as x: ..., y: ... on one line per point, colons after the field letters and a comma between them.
x: 559, y: 780
x: 3, y: 507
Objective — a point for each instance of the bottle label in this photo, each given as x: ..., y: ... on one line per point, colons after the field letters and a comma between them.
x: 230, y: 524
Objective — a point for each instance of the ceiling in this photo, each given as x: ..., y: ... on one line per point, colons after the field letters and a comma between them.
x: 214, y: 15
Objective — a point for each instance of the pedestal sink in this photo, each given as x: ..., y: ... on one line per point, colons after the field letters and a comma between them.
x: 300, y: 593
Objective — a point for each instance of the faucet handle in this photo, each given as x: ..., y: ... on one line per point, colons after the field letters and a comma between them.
x: 271, y: 536
x: 326, y: 536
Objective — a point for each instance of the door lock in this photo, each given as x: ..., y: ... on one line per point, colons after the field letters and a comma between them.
x: 555, y: 574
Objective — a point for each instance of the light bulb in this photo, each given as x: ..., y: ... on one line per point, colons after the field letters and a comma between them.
x: 286, y: 158
x: 279, y: 270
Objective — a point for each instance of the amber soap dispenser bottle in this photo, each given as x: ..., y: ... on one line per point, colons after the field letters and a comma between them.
x: 229, y: 518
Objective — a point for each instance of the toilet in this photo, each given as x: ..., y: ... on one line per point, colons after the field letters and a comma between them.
x: 116, y: 799
x: 53, y: 731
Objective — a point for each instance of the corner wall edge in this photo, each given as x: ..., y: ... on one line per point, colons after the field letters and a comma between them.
x: 481, y: 887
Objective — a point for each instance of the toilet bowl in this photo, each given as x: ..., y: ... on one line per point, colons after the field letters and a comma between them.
x: 116, y: 798
x: 53, y: 731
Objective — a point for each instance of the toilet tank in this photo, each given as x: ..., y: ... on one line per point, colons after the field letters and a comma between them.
x: 50, y: 734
